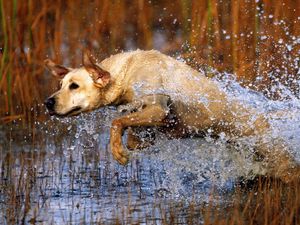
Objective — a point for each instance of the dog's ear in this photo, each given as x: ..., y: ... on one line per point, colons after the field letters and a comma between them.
x: 100, y: 76
x: 57, y: 70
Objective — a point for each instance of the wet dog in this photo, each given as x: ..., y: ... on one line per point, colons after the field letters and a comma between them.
x: 157, y: 90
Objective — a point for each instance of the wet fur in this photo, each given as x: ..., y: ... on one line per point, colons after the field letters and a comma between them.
x: 157, y: 90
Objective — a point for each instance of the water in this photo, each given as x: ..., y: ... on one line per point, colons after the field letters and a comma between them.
x: 62, y: 170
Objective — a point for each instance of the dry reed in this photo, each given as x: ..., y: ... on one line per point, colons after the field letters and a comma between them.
x: 244, y: 37
x: 226, y: 35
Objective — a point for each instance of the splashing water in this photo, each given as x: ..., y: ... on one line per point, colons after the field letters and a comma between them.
x: 85, y: 174
x: 189, y: 167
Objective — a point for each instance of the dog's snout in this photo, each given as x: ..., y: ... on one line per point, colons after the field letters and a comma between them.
x: 50, y: 102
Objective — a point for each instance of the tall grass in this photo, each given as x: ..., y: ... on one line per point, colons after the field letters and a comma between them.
x: 4, y: 53
x: 28, y: 182
x: 248, y: 38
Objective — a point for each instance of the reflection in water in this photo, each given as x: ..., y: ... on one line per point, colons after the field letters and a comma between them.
x: 62, y: 170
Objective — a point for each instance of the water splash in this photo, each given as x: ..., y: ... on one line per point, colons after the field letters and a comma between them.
x: 78, y: 166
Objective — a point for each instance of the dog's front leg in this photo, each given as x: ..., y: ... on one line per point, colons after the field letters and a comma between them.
x: 150, y: 115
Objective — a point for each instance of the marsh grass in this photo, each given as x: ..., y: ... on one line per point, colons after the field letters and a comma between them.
x: 32, y: 180
x: 248, y: 38
x: 42, y: 175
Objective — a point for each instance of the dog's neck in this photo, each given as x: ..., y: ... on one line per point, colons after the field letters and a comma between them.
x: 115, y: 91
x: 112, y: 94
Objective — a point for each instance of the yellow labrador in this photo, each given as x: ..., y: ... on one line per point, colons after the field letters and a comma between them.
x: 160, y: 91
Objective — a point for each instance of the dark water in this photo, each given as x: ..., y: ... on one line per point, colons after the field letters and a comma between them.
x: 66, y: 174
x: 61, y: 171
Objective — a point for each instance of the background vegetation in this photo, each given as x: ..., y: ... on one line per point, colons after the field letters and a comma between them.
x: 256, y: 40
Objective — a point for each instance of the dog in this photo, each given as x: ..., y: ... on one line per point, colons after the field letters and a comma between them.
x: 158, y: 91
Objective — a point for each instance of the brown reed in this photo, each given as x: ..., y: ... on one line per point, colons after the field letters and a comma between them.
x: 225, y: 35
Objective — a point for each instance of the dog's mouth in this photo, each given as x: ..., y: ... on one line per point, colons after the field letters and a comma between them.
x: 74, y: 111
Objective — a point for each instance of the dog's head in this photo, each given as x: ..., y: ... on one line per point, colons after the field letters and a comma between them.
x: 81, y: 89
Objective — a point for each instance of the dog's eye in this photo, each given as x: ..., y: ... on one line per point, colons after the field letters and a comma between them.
x: 73, y: 86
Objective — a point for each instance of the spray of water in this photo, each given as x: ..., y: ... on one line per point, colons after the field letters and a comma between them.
x: 184, y: 167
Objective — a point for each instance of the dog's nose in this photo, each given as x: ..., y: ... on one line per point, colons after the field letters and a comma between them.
x: 50, y: 102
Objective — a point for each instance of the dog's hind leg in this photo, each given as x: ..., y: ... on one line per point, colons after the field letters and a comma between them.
x: 278, y: 160
x: 138, y: 139
x: 150, y: 115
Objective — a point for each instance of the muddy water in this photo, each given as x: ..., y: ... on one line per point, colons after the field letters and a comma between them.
x: 61, y: 171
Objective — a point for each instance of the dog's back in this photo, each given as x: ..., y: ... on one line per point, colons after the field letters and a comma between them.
x: 197, y: 101
x: 153, y: 86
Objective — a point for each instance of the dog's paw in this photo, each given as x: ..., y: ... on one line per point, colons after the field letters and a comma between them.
x: 123, y: 161
x: 120, y: 154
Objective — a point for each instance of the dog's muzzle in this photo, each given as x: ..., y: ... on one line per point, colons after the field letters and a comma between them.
x: 50, y: 103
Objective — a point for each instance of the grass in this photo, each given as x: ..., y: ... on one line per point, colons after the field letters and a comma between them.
x: 248, y: 38
x: 34, y: 180
x: 224, y: 35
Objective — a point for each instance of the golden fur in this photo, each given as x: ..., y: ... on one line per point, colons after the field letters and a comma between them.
x: 153, y: 87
